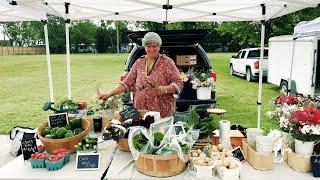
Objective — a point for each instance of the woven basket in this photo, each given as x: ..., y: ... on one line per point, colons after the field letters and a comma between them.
x: 159, y: 166
x: 123, y: 145
x: 67, y: 143
x: 201, y: 143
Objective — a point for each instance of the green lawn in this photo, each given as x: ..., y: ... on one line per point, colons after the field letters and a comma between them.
x: 24, y: 87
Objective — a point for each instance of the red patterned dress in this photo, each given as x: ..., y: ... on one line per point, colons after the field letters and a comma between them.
x: 163, y: 73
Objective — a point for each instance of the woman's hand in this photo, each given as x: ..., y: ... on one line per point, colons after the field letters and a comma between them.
x: 160, y: 90
x: 105, y: 96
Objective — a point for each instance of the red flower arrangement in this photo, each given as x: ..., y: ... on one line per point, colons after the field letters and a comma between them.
x: 283, y: 99
x: 309, y: 115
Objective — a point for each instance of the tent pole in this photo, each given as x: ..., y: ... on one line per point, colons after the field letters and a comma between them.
x: 291, y: 66
x: 67, y: 21
x: 260, y: 64
x: 118, y: 44
x: 68, y: 58
x: 45, y: 27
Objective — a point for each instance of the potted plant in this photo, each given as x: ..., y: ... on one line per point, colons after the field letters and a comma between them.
x: 306, y: 129
x: 203, y: 83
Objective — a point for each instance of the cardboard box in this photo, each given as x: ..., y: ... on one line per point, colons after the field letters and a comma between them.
x: 236, y: 138
x: 204, y: 171
x: 257, y: 160
x: 186, y: 60
x: 296, y: 161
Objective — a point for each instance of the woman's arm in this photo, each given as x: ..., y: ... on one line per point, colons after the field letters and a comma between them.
x: 126, y: 85
x: 117, y: 90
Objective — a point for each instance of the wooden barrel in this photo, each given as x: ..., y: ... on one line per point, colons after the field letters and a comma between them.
x: 123, y: 145
x: 67, y: 143
x: 159, y: 166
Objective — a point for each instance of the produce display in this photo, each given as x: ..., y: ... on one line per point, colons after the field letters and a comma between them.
x: 192, y: 120
x: 51, y: 162
x: 70, y: 130
x: 87, y: 144
x: 65, y: 105
x: 41, y: 148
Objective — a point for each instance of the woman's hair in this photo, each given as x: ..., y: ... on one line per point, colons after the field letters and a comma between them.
x: 151, y: 37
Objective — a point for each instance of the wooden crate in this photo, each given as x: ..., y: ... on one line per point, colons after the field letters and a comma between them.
x: 159, y: 166
x: 257, y: 160
x: 67, y: 143
x: 236, y: 138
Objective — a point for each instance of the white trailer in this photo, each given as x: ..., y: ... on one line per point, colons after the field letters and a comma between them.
x: 305, y: 76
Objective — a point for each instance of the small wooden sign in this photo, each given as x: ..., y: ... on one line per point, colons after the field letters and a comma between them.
x: 237, y: 153
x: 88, y: 161
x: 28, y: 147
x: 58, y: 120
x: 130, y: 113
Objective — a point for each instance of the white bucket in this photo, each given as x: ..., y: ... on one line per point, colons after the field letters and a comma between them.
x: 252, y: 133
x: 204, y: 93
x: 264, y: 144
x: 303, y: 148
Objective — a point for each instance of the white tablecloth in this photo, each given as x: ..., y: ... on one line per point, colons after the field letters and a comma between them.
x: 122, y: 167
x: 17, y: 169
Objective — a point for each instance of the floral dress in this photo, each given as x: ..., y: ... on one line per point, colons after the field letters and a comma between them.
x: 164, y: 73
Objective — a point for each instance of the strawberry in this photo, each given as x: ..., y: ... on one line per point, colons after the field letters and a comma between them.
x: 56, y: 152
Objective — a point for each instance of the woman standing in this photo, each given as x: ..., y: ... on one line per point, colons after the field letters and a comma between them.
x: 153, y: 78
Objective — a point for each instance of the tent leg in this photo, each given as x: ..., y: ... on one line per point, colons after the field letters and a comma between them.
x: 68, y: 58
x: 291, y: 67
x: 260, y: 74
x: 45, y: 27
x: 118, y: 41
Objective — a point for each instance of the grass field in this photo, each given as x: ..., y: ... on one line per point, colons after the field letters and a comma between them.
x: 24, y: 87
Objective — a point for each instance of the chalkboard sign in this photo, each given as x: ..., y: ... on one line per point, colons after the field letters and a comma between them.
x: 315, y: 163
x: 28, y: 147
x: 88, y: 161
x: 237, y: 153
x: 130, y: 113
x: 58, y: 120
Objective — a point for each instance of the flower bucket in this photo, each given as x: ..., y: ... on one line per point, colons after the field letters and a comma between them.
x: 204, y: 93
x: 252, y: 133
x: 264, y: 144
x: 303, y: 148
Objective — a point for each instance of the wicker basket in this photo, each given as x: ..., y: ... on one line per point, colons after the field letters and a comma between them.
x: 201, y: 143
x: 123, y: 145
x: 159, y: 166
x: 67, y: 143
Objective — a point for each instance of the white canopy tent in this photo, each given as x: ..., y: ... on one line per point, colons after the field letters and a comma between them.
x: 11, y: 12
x: 303, y: 29
x: 172, y: 11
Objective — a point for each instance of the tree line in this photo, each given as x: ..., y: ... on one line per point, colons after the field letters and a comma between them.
x: 228, y: 36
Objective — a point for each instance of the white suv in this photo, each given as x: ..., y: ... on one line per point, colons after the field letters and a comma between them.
x: 246, y: 63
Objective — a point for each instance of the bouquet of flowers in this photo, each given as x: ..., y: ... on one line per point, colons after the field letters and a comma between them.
x: 284, y: 106
x: 306, y: 124
x: 185, y: 76
x: 201, y: 79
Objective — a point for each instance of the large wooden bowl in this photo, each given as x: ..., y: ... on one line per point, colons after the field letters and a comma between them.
x: 159, y: 166
x: 67, y: 143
